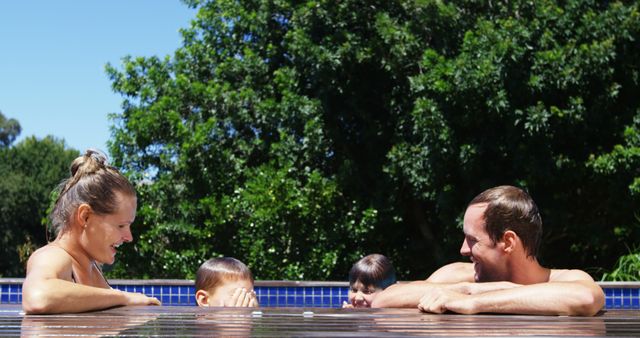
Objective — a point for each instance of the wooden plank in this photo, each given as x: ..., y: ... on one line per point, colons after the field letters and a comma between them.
x: 307, y: 322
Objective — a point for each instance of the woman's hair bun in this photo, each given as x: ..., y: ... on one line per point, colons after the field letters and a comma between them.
x: 89, y: 163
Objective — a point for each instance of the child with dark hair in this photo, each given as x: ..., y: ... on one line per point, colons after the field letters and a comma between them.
x: 368, y: 277
x: 225, y: 281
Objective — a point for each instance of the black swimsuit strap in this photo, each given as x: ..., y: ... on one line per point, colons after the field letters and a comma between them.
x: 95, y: 265
x: 101, y: 274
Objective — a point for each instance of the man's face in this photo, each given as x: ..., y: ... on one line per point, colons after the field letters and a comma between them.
x: 488, y: 258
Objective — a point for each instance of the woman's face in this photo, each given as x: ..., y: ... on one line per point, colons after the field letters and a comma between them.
x: 361, y: 295
x: 103, y: 234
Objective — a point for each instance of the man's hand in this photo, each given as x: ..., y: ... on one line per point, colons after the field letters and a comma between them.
x: 465, y: 288
x: 441, y: 299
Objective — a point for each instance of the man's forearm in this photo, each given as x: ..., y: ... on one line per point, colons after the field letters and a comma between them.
x: 403, y: 295
x: 408, y: 295
x: 556, y: 298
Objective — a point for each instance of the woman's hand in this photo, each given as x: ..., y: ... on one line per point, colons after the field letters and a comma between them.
x: 134, y: 298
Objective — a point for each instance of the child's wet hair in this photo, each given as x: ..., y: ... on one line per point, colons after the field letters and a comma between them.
x: 375, y: 270
x: 216, y: 271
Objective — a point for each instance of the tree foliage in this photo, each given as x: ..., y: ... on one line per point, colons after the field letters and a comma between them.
x: 9, y: 130
x: 30, y: 170
x: 299, y: 135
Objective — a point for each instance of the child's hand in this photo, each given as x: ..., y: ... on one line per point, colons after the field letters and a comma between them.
x: 242, y: 298
x: 346, y: 305
x: 254, y: 300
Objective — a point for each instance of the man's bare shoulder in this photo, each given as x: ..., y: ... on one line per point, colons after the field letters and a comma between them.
x: 453, y: 273
x: 569, y: 275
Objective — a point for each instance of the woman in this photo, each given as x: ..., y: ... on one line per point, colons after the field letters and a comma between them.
x: 92, y: 217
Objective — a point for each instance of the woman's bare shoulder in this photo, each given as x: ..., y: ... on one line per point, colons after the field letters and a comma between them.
x: 50, y: 258
x: 50, y: 250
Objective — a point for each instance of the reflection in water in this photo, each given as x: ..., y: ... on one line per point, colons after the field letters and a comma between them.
x: 86, y: 324
x: 283, y: 322
x: 488, y: 325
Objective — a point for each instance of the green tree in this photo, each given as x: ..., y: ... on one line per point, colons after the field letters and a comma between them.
x: 30, y: 170
x: 9, y: 130
x: 299, y: 135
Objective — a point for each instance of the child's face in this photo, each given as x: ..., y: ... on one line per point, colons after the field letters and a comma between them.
x: 223, y: 294
x: 362, y: 295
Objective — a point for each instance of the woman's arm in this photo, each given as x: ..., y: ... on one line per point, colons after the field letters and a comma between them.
x: 48, y: 288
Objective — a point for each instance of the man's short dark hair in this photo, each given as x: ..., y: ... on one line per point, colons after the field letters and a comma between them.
x: 511, y: 208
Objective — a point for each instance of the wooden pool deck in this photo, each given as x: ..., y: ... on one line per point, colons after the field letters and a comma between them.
x: 181, y: 321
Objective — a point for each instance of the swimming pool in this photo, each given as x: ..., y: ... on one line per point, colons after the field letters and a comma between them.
x: 177, y: 292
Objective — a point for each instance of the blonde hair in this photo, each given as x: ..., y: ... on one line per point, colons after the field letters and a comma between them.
x: 215, y: 271
x: 94, y: 182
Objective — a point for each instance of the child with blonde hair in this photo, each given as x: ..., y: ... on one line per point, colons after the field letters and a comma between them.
x: 225, y: 281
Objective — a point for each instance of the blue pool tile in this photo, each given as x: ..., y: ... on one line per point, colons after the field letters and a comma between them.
x: 617, y: 303
x: 616, y: 298
x: 267, y: 301
x: 185, y: 300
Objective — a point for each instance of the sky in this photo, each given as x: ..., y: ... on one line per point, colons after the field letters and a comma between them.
x: 53, y: 55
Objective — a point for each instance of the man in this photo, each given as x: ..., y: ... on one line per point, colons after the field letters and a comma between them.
x: 502, y: 229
